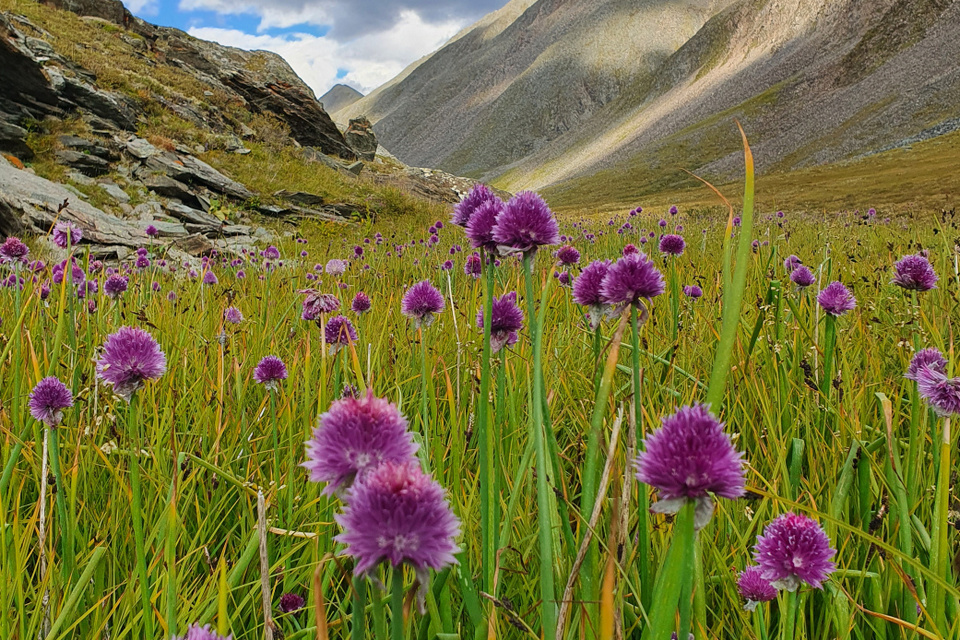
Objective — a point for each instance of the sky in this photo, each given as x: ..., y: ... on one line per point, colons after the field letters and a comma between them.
x: 361, y: 43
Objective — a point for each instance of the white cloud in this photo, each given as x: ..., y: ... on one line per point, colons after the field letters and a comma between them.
x: 369, y: 60
x: 142, y: 7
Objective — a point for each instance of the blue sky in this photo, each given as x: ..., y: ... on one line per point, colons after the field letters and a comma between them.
x: 362, y: 43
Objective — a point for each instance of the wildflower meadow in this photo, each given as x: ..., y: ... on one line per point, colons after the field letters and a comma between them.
x: 711, y: 423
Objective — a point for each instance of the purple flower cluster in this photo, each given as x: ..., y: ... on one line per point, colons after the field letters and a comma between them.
x: 568, y: 255
x: 939, y: 391
x: 196, y: 632
x: 672, y: 245
x: 316, y: 304
x: 115, y: 286
x: 914, y: 273
x: 361, y: 303
x: 422, y: 303
x: 339, y: 333
x: 13, y: 251
x: 48, y: 400
x: 633, y: 279
x: 465, y: 209
x: 483, y: 221
x: 130, y: 357
x: 802, y: 277
x: 836, y: 299
x: 525, y: 224
x: 269, y: 372
x: 587, y: 291
x: 66, y: 234
x: 505, y: 321
x: 794, y: 549
x: 754, y: 588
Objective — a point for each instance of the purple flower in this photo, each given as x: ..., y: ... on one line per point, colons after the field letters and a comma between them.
x: 130, y: 357
x: 473, y: 265
x: 353, y: 437
x: 632, y: 248
x: 505, y: 321
x: 315, y: 304
x: 693, y: 291
x: 794, y: 549
x: 422, y: 303
x: 630, y: 280
x: 66, y: 234
x: 271, y: 253
x: 587, y: 291
x: 662, y: 223
x: 48, y: 400
x: 568, y: 255
x: 291, y: 603
x: 672, y: 245
x: 398, y: 514
x: 357, y: 251
x: 361, y: 303
x: 88, y: 288
x: 753, y: 588
x: 923, y: 359
x: 13, y: 250
x: 336, y: 267
x: 232, y: 315
x: 447, y: 265
x: 940, y: 392
x: 836, y: 300
x: 914, y: 273
x: 791, y: 263
x: 483, y: 222
x: 673, y: 210
x: 689, y: 458
x: 526, y: 224
x: 479, y: 194
x: 802, y: 277
x: 210, y: 278
x: 152, y: 231
x: 564, y: 278
x: 269, y: 372
x: 196, y: 632
x: 339, y: 333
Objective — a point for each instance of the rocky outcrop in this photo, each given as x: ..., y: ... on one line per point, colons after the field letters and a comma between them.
x: 338, y: 97
x: 361, y: 138
x: 112, y: 10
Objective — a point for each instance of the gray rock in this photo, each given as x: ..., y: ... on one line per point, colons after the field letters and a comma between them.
x: 148, y: 211
x: 355, y: 168
x: 300, y: 197
x: 84, y: 163
x: 194, y: 244
x: 13, y: 140
x: 361, y: 138
x: 114, y: 191
x: 87, y: 146
x: 193, y: 216
x: 168, y: 187
x: 170, y: 229
x: 79, y: 178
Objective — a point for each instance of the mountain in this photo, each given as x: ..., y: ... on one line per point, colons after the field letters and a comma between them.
x: 338, y: 97
x: 611, y: 99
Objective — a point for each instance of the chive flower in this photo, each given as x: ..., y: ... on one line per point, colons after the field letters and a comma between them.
x: 339, y: 333
x: 526, y: 224
x: 13, y: 251
x: 802, y: 277
x: 472, y: 266
x: 689, y: 458
x: 336, y: 267
x: 794, y: 549
x: 568, y: 255
x: 754, y: 588
x: 66, y: 234
x: 940, y: 392
x: 836, y: 299
x: 291, y: 603
x: 196, y: 632
x: 672, y: 245
x: 914, y: 273
x: 361, y: 303
x: 232, y: 315
x: 463, y: 212
x: 923, y: 359
x: 422, y: 303
x: 115, y: 286
x: 791, y: 263
x: 631, y: 280
x: 269, y: 372
x: 505, y: 321
x: 587, y: 291
x: 316, y: 304
x: 353, y: 437
x: 48, y: 400
x: 693, y: 291
x: 482, y: 223
x: 130, y: 358
x: 398, y: 514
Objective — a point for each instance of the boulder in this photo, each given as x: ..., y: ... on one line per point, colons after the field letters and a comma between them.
x: 361, y: 138
x: 299, y: 197
x: 13, y: 140
x: 87, y: 164
x: 185, y: 169
x: 167, y: 187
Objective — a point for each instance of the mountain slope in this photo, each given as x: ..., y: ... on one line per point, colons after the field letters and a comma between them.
x: 338, y: 97
x: 612, y: 99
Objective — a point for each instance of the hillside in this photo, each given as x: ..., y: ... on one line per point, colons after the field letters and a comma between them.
x: 338, y: 97
x: 614, y: 98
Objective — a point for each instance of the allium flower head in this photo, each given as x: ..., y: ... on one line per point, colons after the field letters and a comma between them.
x: 526, y: 224
x: 794, y: 549
x: 632, y: 248
x: 336, y: 267
x: 48, y: 400
x: 568, y: 255
x: 66, y: 234
x: 473, y: 265
x: 361, y: 303
x: 482, y: 223
x: 422, y: 303
x: 836, y: 300
x: 339, y: 333
x: 791, y: 263
x: 316, y: 304
x: 271, y: 253
x: 398, y: 514
x: 914, y: 273
x: 802, y: 277
x: 587, y: 291
x: 353, y: 437
x: 753, y: 588
x: 672, y: 245
x: 152, y: 231
x: 269, y: 372
x: 693, y: 291
x: 689, y: 458
x: 506, y: 320
x: 479, y: 194
x: 291, y: 603
x: 210, y: 278
x: 115, y: 286
x: 940, y: 392
x: 14, y: 251
x: 923, y: 359
x: 232, y: 315
x: 632, y: 279
x: 130, y: 357
x: 196, y: 632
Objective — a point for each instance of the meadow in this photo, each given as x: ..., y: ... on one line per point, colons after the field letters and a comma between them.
x: 185, y: 502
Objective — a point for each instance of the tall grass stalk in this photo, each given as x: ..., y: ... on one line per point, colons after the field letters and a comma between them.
x: 143, y: 579
x: 488, y: 439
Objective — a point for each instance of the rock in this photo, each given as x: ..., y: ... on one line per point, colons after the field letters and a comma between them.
x: 111, y: 10
x: 194, y: 244
x: 13, y: 140
x: 88, y: 146
x: 186, y: 214
x: 361, y: 138
x: 114, y: 191
x: 29, y: 202
x: 79, y: 178
x: 86, y: 164
x: 299, y: 197
x: 147, y: 211
x: 186, y: 169
x: 141, y: 149
x: 354, y: 168
x: 114, y: 108
x: 167, y: 187
x: 170, y: 229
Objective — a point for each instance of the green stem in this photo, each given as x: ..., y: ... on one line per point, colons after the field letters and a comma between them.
x: 548, y: 599
x: 674, y: 578
x: 358, y: 620
x: 133, y: 430
x: 396, y: 604
x: 788, y: 626
x: 424, y: 408
x: 66, y: 532
x: 643, y: 503
x: 488, y: 439
x: 276, y: 439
